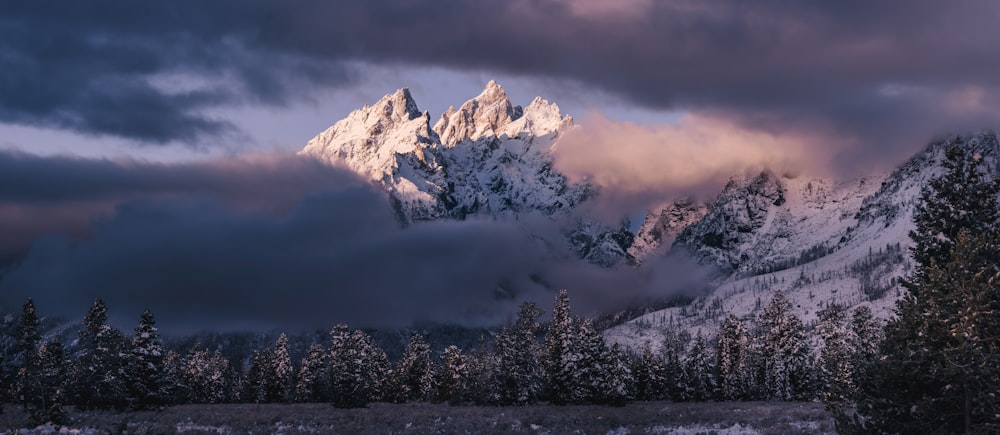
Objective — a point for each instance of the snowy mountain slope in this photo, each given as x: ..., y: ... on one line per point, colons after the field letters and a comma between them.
x: 663, y: 224
x: 825, y: 242
x: 488, y: 158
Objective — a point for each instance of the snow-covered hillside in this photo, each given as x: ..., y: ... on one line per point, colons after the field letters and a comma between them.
x: 818, y: 241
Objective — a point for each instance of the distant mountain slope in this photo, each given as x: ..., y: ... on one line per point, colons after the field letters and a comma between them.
x: 818, y: 241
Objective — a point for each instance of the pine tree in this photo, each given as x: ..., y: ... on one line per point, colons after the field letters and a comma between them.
x: 99, y: 381
x: 413, y: 376
x: 560, y: 366
x: 961, y: 199
x: 452, y: 377
x: 734, y: 360
x: 650, y: 376
x: 836, y: 358
x: 785, y: 352
x: 672, y: 352
x: 204, y: 374
x: 864, y: 339
x: 938, y: 369
x: 518, y: 373
x: 618, y: 387
x: 312, y: 384
x: 698, y: 371
x: 26, y: 353
x: 589, y: 357
x: 144, y: 366
x: 53, y: 376
x: 357, y: 368
x: 278, y: 372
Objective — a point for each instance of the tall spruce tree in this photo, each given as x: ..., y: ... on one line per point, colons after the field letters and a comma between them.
x: 784, y: 352
x: 734, y: 360
x: 836, y: 359
x: 49, y: 389
x: 699, y: 372
x: 144, y: 374
x: 312, y: 384
x: 26, y: 354
x: 99, y: 382
x: 452, y: 376
x: 938, y: 369
x: 560, y: 361
x: 517, y: 374
x: 413, y: 376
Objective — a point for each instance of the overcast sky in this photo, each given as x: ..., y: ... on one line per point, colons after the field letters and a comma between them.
x: 117, y: 113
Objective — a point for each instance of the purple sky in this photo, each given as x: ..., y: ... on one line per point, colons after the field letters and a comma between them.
x: 118, y: 113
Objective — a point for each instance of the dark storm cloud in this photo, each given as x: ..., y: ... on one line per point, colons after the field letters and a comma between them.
x: 41, y: 195
x: 876, y: 71
x: 278, y: 242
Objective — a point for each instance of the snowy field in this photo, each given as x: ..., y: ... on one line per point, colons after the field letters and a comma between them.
x: 421, y: 418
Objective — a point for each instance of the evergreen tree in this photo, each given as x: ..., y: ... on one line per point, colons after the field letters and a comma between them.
x: 672, y: 353
x: 99, y: 380
x: 26, y: 353
x: 618, y: 387
x: 204, y: 376
x: 278, y: 375
x: 650, y: 377
x: 357, y: 368
x: 312, y: 384
x: 413, y: 376
x: 48, y: 392
x: 698, y: 371
x: 559, y: 362
x: 734, y: 360
x: 961, y: 199
x: 452, y: 377
x: 518, y: 373
x: 784, y: 352
x: 836, y: 358
x: 144, y: 374
x: 589, y: 355
x: 938, y: 369
x: 864, y: 339
x: 255, y: 378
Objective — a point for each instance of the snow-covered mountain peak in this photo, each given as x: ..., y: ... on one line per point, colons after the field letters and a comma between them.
x: 485, y: 115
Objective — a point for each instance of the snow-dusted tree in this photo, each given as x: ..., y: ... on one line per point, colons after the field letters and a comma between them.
x: 254, y: 385
x: 941, y: 355
x: 938, y: 368
x: 518, y: 373
x: 26, y: 340
x: 699, y: 371
x: 963, y: 198
x: 672, y: 352
x: 864, y: 338
x: 313, y: 380
x: 203, y: 373
x: 99, y: 381
x: 589, y: 357
x: 560, y: 357
x: 734, y: 355
x: 482, y: 387
x: 452, y: 376
x: 413, y: 376
x: 618, y: 386
x: 784, y: 352
x: 650, y: 379
x: 278, y: 378
x: 144, y: 374
x: 173, y: 377
x: 836, y: 358
x: 357, y: 367
x: 48, y: 392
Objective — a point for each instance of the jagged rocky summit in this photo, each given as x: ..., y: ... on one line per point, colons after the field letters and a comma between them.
x: 487, y: 158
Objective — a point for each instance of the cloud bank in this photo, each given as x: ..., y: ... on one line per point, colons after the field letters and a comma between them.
x: 239, y: 245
